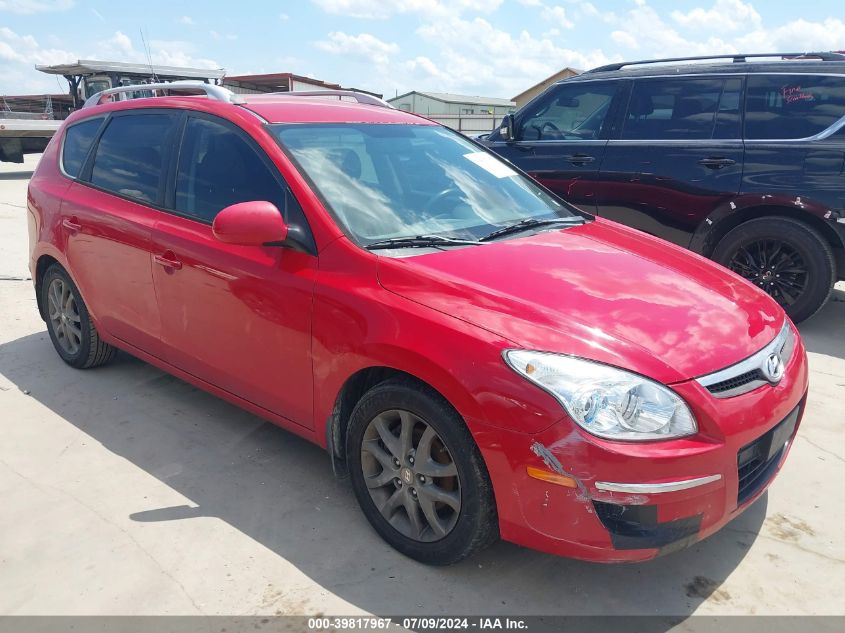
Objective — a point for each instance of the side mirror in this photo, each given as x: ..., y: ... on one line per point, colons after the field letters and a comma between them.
x: 506, y: 129
x: 253, y: 223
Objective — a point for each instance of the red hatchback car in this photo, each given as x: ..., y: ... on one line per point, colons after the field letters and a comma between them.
x: 480, y: 357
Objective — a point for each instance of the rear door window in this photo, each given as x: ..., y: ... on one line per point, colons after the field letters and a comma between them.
x: 792, y: 106
x: 575, y: 111
x: 78, y: 140
x: 130, y: 156
x: 670, y: 109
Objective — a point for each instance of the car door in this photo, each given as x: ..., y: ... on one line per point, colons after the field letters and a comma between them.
x: 678, y: 157
x: 560, y: 138
x: 107, y: 216
x: 238, y: 317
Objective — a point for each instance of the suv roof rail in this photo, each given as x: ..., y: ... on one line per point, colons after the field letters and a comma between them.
x: 360, y: 97
x: 736, y: 57
x: 218, y: 93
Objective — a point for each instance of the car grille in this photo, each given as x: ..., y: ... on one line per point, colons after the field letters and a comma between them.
x: 737, y: 382
x: 749, y: 374
x: 758, y: 461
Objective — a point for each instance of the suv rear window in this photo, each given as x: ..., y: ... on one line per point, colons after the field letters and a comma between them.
x: 78, y: 139
x: 683, y: 109
x: 129, y: 156
x: 792, y: 106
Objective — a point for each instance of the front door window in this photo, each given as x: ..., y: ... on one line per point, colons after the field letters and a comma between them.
x: 574, y: 112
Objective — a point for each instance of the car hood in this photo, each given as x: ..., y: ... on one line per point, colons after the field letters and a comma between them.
x: 599, y: 291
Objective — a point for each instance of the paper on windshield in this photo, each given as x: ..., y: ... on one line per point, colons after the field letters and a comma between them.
x: 490, y: 164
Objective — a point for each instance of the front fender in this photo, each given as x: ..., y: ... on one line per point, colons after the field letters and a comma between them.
x: 358, y: 324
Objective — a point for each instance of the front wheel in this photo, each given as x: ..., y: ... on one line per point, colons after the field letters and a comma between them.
x: 418, y: 474
x: 785, y: 257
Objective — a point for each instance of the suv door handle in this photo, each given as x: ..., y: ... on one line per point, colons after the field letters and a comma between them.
x: 71, y: 224
x: 714, y: 162
x: 579, y: 159
x: 168, y: 260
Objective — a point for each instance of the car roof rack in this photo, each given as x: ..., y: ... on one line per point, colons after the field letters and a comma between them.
x: 360, y: 97
x: 218, y: 93
x: 736, y: 57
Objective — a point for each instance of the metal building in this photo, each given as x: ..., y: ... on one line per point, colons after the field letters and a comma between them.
x: 467, y: 114
x: 280, y: 82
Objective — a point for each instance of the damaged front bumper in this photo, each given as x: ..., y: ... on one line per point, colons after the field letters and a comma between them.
x: 616, y: 501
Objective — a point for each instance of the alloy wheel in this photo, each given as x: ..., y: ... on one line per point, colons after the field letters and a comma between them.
x: 774, y: 266
x: 411, y: 476
x: 64, y: 316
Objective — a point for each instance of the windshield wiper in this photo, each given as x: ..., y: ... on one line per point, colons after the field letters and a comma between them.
x: 530, y: 223
x: 420, y: 241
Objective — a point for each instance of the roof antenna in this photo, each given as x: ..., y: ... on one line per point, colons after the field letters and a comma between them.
x: 149, y: 57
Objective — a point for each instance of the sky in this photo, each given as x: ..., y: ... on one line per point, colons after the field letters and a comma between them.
x: 495, y: 48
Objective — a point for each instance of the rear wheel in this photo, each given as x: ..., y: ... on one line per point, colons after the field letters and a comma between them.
x: 785, y: 257
x: 418, y: 474
x: 73, y: 333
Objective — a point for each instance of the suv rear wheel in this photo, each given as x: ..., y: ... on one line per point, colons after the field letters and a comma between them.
x: 785, y: 257
x: 73, y: 333
x: 418, y: 474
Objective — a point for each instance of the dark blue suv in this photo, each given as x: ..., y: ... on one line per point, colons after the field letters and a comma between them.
x: 740, y: 160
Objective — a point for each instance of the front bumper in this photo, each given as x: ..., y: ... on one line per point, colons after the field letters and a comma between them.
x: 636, y: 501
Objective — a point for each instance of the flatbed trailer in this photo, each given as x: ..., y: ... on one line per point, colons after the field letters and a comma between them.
x: 24, y: 136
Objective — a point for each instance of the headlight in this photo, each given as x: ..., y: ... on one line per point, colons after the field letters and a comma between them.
x: 606, y: 401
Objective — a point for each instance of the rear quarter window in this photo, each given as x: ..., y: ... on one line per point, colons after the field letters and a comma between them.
x: 77, y: 142
x: 792, y: 106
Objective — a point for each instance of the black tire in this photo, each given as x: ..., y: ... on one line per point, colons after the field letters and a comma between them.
x: 803, y: 243
x: 476, y: 523
x: 87, y: 349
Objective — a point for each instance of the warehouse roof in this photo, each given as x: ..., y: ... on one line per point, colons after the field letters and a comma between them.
x: 282, y: 82
x: 448, y: 97
x: 273, y: 81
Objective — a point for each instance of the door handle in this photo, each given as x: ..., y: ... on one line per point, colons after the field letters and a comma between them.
x: 579, y: 159
x: 168, y: 260
x: 71, y: 224
x: 714, y: 162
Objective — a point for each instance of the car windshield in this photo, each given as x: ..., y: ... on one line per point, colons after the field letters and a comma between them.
x: 388, y: 181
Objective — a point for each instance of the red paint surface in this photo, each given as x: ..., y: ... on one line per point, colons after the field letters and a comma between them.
x: 253, y: 223
x: 279, y: 332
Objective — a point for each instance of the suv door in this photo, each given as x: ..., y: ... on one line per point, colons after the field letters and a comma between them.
x: 238, y: 317
x: 792, y: 144
x: 679, y: 155
x: 107, y: 214
x: 560, y: 138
